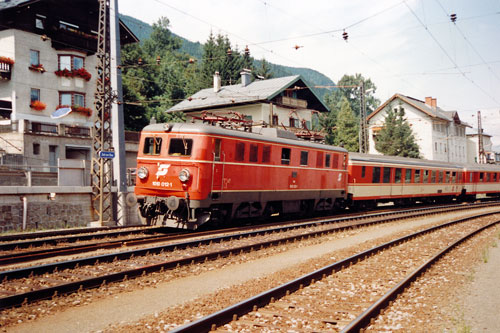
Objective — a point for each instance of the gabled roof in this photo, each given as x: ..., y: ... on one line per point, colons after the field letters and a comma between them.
x: 419, y: 105
x: 256, y: 91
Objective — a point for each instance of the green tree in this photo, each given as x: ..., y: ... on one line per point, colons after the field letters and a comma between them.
x: 396, y: 137
x: 263, y: 72
x: 347, y: 127
x: 349, y: 87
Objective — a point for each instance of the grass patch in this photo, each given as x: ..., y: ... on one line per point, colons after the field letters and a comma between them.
x: 485, y: 255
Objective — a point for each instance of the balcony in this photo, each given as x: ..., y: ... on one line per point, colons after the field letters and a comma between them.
x: 5, y: 71
x: 293, y: 102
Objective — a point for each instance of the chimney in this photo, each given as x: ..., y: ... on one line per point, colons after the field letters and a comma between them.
x: 245, y: 77
x: 434, y: 103
x: 428, y: 101
x: 217, y: 82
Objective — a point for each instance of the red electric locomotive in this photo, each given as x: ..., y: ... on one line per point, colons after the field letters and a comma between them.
x: 190, y: 174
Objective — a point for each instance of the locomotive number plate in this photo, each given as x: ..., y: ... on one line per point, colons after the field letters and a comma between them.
x: 163, y: 184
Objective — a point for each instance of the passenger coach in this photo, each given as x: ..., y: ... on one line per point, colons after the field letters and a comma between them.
x: 377, y: 178
x: 189, y: 174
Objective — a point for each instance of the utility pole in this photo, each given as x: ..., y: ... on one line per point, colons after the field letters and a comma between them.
x: 101, y: 132
x: 363, y: 130
x: 117, y: 123
x: 481, y: 152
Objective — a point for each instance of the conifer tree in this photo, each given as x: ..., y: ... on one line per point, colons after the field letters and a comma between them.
x: 347, y: 127
x: 396, y: 137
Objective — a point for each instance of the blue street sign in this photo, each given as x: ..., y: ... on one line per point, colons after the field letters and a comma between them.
x: 107, y: 154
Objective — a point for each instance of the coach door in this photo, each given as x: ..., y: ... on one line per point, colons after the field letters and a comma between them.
x: 217, y: 169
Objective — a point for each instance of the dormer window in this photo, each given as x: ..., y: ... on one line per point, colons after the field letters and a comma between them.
x: 39, y: 21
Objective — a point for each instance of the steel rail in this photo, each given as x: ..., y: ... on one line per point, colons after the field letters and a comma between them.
x: 76, y: 249
x: 74, y: 238
x: 44, y: 293
x: 365, y: 318
x: 63, y: 232
x: 231, y: 313
x: 124, y: 255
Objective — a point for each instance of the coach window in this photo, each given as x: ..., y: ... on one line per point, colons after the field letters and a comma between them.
x: 417, y: 176
x: 446, y: 177
x: 363, y: 171
x: 408, y: 176
x: 285, y: 155
x: 433, y: 176
x: 240, y: 151
x: 319, y: 159
x: 426, y: 176
x: 397, y: 175
x: 440, y: 177
x: 152, y: 146
x: 180, y: 147
x: 304, y: 156
x: 481, y: 176
x: 376, y: 175
x: 266, y: 154
x: 254, y: 153
x: 217, y: 145
x: 454, y: 177
x: 387, y: 175
x: 327, y: 160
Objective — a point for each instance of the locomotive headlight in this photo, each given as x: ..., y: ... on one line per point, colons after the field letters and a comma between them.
x: 184, y: 175
x: 142, y: 173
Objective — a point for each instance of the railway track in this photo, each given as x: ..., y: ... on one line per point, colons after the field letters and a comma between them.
x: 349, y: 294
x: 23, y: 255
x: 29, y: 284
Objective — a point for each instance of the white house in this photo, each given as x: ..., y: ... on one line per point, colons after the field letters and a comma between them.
x: 439, y: 134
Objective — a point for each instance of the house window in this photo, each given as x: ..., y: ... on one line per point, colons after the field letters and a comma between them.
x: 292, y: 122
x: 34, y: 57
x: 36, y: 148
x: 35, y: 94
x: 435, y: 147
x: 70, y: 98
x: 65, y: 99
x: 275, y: 120
x: 64, y: 63
x: 315, y: 120
x: 79, y: 99
x: 39, y: 21
x: 77, y: 62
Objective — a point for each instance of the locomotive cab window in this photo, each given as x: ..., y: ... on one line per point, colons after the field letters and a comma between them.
x: 240, y: 151
x: 285, y: 155
x: 254, y: 153
x: 217, y: 145
x: 304, y: 155
x: 266, y: 154
x: 152, y: 146
x: 327, y: 160
x: 180, y: 147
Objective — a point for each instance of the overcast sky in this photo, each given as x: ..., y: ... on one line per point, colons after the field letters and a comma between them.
x: 409, y: 47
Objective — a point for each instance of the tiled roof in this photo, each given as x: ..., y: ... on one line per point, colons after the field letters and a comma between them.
x: 431, y: 112
x: 11, y: 3
x: 260, y: 90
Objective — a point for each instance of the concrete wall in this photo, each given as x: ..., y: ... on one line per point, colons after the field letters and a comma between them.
x: 71, y: 207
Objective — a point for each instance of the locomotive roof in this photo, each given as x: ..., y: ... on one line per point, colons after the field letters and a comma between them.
x: 264, y: 134
x: 420, y: 162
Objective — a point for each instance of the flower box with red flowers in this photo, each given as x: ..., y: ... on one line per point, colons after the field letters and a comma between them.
x: 82, y: 73
x: 6, y: 60
x: 38, y: 68
x: 82, y: 110
x: 64, y: 73
x: 37, y: 105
